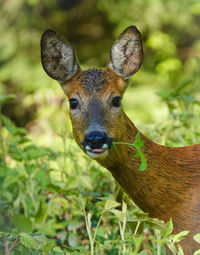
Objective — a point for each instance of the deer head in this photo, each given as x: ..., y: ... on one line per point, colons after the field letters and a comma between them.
x: 95, y: 94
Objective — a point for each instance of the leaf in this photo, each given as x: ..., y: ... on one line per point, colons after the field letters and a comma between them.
x: 138, y: 142
x: 143, y: 165
x: 8, y: 123
x: 156, y: 224
x: 72, y: 240
x: 134, y: 224
x: 100, y: 236
x: 197, y: 238
x: 124, y: 207
x: 172, y: 248
x: 183, y: 85
x: 169, y: 229
x: 42, y: 212
x: 15, y: 152
x: 21, y: 223
x: 33, y: 152
x: 177, y: 238
x: 11, y: 127
x: 180, y: 250
x: 110, y: 204
x: 48, y: 246
x: 6, y: 205
x: 197, y: 252
x: 119, y: 214
x: 5, y: 98
x: 29, y: 241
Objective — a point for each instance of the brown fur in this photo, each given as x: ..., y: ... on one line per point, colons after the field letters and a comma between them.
x: 169, y: 188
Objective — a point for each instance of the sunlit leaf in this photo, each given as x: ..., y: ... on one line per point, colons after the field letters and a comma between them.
x: 197, y: 237
x: 119, y: 214
x: 110, y: 204
x: 180, y: 236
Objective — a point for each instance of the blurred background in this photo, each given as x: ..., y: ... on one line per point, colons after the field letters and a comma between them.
x: 170, y: 31
x: 39, y: 171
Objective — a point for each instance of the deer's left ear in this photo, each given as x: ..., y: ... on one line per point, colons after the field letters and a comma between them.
x: 58, y: 57
x: 126, y: 54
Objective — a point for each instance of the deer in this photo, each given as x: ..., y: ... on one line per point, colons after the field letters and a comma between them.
x: 170, y: 186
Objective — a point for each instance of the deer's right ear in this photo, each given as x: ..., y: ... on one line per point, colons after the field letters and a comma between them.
x: 126, y: 54
x: 58, y: 57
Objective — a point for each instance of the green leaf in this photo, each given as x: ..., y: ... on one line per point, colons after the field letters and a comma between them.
x: 197, y: 252
x: 11, y: 127
x: 48, y: 246
x: 8, y: 123
x: 6, y: 205
x: 100, y: 236
x: 21, y: 223
x: 169, y: 229
x: 134, y: 224
x: 197, y: 238
x: 42, y: 212
x: 156, y: 224
x: 5, y: 98
x: 15, y: 152
x: 180, y: 250
x: 143, y: 165
x: 110, y: 204
x: 119, y: 214
x: 72, y: 240
x: 178, y: 237
x: 29, y: 241
x: 138, y: 142
x: 33, y: 152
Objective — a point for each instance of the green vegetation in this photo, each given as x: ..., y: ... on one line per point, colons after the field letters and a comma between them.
x: 54, y: 199
x: 138, y: 143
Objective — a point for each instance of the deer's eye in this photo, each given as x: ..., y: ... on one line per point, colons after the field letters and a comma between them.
x: 73, y: 103
x: 116, y: 101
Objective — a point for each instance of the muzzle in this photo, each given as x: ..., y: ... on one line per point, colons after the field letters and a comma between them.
x: 97, y: 144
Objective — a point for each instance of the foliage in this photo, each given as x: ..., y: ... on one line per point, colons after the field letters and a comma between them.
x: 50, y: 202
x: 41, y: 215
x: 138, y: 143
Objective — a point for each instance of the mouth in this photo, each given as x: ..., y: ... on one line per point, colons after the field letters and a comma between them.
x: 97, y: 153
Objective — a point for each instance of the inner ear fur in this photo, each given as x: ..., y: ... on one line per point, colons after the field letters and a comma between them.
x: 127, y: 53
x: 58, y: 57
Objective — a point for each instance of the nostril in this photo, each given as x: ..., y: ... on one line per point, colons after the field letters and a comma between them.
x: 96, y: 139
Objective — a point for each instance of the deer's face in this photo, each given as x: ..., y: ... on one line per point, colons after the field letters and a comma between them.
x: 95, y: 110
x: 95, y: 94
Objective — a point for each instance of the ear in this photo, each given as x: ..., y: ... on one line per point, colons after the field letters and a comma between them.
x: 126, y: 54
x: 58, y: 57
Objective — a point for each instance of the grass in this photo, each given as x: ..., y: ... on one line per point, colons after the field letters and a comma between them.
x: 55, y: 200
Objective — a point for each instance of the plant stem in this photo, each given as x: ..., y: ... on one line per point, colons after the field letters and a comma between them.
x: 89, y: 233
x: 95, y: 233
x: 136, y: 229
x: 158, y: 244
x: 12, y: 246
x: 2, y: 150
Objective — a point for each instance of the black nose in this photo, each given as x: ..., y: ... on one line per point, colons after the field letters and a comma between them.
x: 96, y: 139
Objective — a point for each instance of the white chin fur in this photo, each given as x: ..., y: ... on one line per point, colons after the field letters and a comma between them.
x: 101, y: 155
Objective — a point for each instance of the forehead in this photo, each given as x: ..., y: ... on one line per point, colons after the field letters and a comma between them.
x: 95, y: 81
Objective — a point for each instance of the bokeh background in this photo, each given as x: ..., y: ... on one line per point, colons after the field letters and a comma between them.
x: 170, y: 31
x: 162, y: 100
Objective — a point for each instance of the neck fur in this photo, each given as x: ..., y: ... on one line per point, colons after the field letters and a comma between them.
x: 157, y: 189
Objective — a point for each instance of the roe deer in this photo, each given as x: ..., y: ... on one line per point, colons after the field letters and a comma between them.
x: 170, y: 186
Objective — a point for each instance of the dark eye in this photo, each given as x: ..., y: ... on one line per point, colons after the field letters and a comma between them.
x: 116, y: 101
x: 73, y: 103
